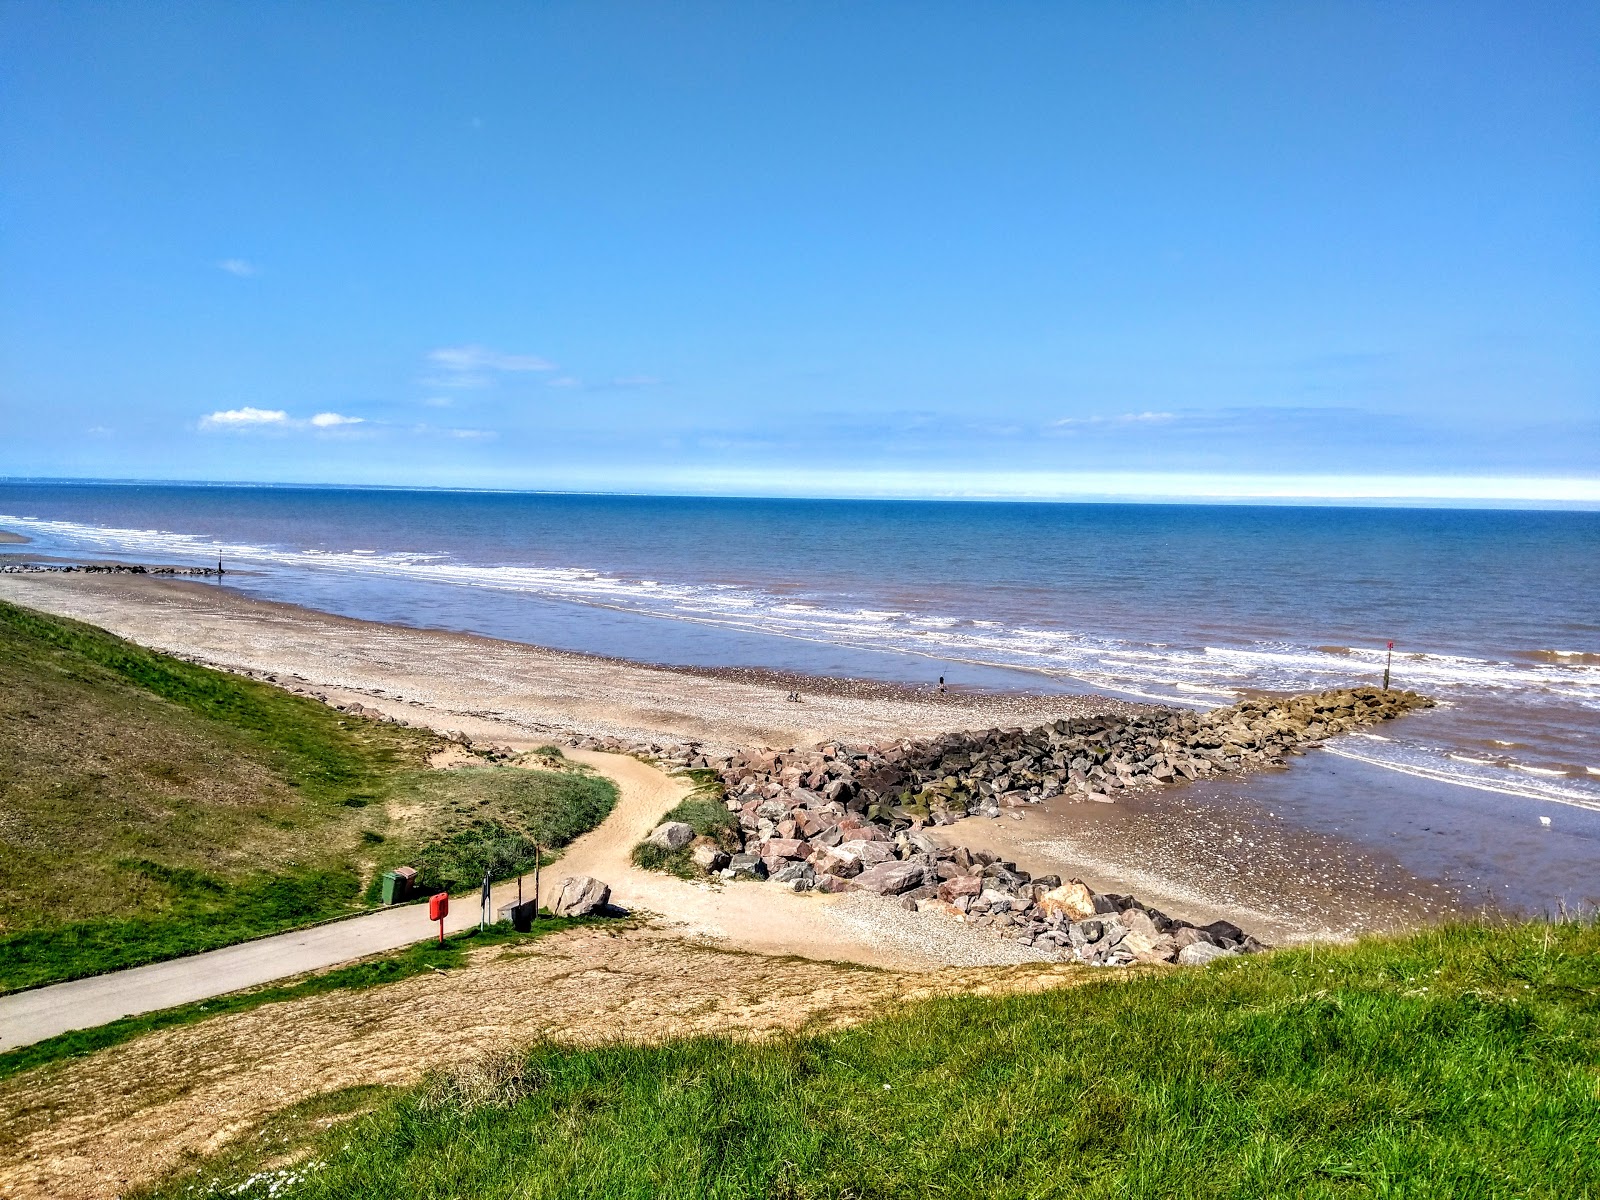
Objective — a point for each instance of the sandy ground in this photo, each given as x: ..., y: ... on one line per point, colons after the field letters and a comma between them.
x: 485, y: 687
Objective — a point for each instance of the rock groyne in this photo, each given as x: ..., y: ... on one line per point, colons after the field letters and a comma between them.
x: 836, y: 817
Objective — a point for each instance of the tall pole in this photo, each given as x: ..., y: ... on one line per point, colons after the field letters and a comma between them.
x: 1387, y: 662
x: 537, y: 855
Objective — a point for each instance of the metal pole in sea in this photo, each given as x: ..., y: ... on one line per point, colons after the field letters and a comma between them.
x: 1386, y: 664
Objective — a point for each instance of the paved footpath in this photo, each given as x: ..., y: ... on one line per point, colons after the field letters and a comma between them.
x: 32, y: 1016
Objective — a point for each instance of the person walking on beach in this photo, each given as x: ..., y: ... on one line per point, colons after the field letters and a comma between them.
x: 941, y: 685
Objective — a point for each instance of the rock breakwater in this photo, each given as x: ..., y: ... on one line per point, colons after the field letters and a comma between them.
x: 836, y: 817
x: 100, y: 569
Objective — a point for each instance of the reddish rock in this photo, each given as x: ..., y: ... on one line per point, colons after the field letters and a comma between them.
x: 961, y: 885
x: 781, y: 847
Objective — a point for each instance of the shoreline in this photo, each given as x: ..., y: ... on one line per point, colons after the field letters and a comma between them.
x: 1290, y: 884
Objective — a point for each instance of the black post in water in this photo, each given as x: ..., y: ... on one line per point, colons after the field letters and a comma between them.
x: 1386, y: 664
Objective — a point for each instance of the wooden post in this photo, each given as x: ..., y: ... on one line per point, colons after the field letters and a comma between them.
x: 1386, y: 664
x: 538, y: 855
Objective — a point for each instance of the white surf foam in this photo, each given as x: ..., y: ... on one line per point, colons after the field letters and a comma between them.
x: 1194, y: 676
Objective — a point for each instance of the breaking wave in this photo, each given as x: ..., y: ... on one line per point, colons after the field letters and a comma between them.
x: 1198, y: 675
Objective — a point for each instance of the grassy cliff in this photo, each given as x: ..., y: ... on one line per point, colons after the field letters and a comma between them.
x: 150, y: 807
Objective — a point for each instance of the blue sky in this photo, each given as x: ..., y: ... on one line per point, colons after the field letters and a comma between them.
x: 1174, y: 249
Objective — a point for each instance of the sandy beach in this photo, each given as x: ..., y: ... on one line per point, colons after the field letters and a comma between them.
x: 1195, y: 860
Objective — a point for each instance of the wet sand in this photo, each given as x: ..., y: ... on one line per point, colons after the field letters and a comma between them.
x: 1198, y: 850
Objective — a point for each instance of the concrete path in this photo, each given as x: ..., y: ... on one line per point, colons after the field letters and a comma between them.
x: 32, y: 1016
x: 765, y: 920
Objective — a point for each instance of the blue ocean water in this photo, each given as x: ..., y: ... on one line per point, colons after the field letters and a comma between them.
x: 1494, y: 613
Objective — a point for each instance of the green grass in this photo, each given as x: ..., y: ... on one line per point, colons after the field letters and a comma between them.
x: 154, y: 808
x: 1462, y: 1062
x: 709, y: 817
x: 374, y: 972
x: 494, y: 817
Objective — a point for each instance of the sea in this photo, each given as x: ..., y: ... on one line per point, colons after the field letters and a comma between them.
x: 1496, y: 614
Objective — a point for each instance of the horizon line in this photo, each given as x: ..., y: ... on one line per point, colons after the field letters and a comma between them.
x: 1510, y: 493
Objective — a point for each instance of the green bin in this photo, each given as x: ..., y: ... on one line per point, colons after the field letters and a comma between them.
x: 397, y: 885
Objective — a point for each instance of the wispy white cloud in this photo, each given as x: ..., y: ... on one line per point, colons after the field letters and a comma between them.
x: 475, y: 366
x: 566, y: 381
x: 1141, y: 418
x: 238, y: 267
x: 461, y: 434
x: 248, y: 418
x: 244, y: 418
x: 482, y: 358
x: 635, y: 381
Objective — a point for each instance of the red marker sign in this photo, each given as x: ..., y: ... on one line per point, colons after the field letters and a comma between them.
x: 438, y: 910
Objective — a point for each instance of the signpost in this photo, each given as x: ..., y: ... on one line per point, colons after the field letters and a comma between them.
x: 438, y: 909
x: 483, y: 902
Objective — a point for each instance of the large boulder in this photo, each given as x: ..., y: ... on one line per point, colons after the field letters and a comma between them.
x: 961, y: 885
x: 849, y: 858
x: 581, y: 896
x: 671, y: 835
x: 891, y: 878
x: 1073, y: 901
x: 778, y: 847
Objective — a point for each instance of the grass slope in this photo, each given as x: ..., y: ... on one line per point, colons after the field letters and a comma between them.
x: 1462, y: 1062
x: 151, y: 808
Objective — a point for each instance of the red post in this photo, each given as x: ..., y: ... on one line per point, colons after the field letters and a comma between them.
x: 438, y: 909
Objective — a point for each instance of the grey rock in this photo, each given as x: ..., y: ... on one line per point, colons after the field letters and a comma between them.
x: 671, y: 835
x: 747, y: 866
x: 1200, y: 953
x: 581, y: 896
x: 798, y: 876
x: 891, y: 878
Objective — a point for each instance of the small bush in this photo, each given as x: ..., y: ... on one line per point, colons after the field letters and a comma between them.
x: 651, y: 857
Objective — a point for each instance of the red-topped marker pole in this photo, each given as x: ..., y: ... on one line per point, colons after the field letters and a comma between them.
x: 438, y: 910
x: 1386, y: 663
